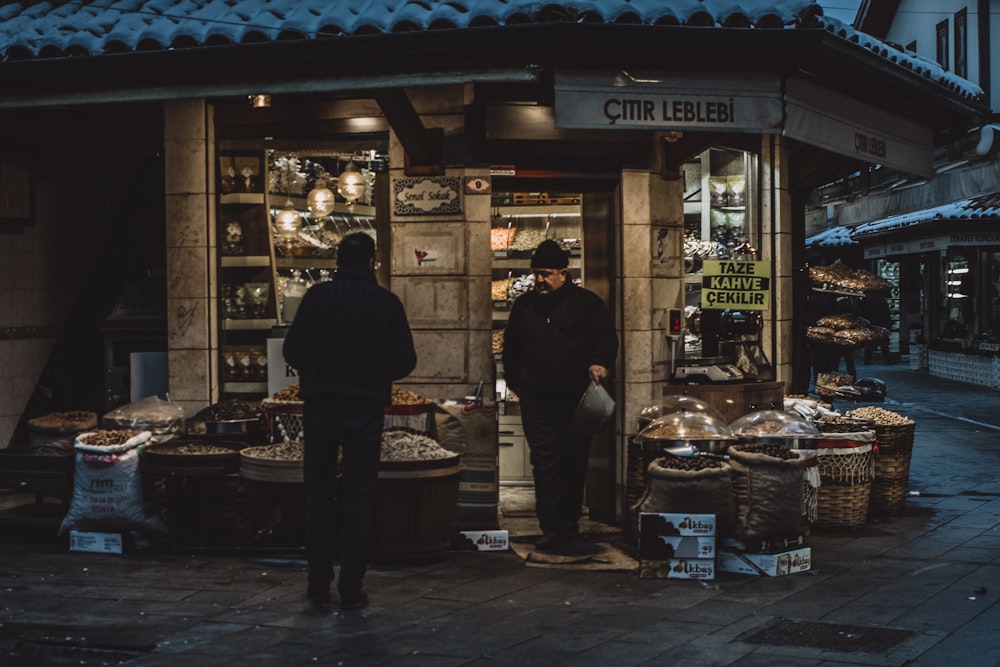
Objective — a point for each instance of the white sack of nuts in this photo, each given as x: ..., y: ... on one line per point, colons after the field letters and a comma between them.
x: 111, y: 441
x: 107, y: 486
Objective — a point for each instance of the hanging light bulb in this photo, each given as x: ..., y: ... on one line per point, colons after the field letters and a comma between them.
x: 320, y: 201
x: 351, y: 183
x: 288, y: 221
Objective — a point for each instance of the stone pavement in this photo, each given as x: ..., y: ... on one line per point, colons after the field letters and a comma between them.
x: 918, y: 589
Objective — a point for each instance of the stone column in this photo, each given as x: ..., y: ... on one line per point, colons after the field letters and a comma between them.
x: 776, y: 246
x: 446, y: 292
x: 652, y: 280
x: 190, y: 234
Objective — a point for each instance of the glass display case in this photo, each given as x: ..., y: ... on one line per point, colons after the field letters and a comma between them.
x: 719, y: 187
x: 280, y: 216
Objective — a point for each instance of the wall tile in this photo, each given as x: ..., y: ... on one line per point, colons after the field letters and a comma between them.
x: 189, y: 376
x: 443, y: 242
x: 188, y: 322
x: 184, y: 119
x: 185, y: 163
x: 187, y: 272
x: 433, y: 302
x: 187, y: 220
x: 441, y: 356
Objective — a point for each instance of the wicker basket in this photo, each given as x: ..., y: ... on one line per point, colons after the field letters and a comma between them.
x: 892, y: 469
x: 844, y: 493
x: 283, y: 420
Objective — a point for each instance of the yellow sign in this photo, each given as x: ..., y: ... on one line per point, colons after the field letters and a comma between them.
x: 736, y: 285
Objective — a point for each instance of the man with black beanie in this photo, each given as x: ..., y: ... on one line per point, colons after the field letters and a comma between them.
x: 349, y: 341
x: 558, y: 339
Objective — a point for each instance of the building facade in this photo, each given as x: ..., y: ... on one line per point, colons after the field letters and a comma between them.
x: 653, y: 143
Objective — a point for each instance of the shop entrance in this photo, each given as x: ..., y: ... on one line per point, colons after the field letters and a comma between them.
x: 582, y: 222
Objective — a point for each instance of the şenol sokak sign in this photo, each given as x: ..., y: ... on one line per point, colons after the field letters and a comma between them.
x: 736, y: 285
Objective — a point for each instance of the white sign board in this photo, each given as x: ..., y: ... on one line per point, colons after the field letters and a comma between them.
x: 279, y: 373
x: 648, y: 101
x: 848, y: 126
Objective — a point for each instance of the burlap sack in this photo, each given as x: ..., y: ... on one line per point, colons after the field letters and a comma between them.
x: 768, y: 492
x: 705, y: 491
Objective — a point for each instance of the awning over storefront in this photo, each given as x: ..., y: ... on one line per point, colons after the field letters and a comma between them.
x: 926, y: 230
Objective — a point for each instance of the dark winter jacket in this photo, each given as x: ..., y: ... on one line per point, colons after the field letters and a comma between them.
x: 552, y: 340
x: 349, y: 340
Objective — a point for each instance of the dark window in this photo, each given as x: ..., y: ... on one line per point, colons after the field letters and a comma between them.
x: 912, y: 46
x: 942, y: 44
x: 961, y: 44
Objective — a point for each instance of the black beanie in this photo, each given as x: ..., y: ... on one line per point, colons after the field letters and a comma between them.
x: 548, y: 255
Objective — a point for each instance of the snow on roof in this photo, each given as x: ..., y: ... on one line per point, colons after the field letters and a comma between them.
x: 831, y: 237
x: 976, y: 208
x: 924, y: 67
x: 32, y: 29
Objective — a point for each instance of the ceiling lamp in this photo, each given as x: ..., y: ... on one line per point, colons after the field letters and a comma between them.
x: 320, y: 200
x: 351, y: 183
x: 259, y: 101
x: 288, y: 222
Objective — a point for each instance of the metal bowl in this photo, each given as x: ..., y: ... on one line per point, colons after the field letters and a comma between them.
x: 233, y: 427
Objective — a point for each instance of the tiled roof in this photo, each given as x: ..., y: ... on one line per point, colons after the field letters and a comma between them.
x: 31, y: 29
x: 984, y: 207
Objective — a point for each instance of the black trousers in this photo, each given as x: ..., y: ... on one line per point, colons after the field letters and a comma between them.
x: 358, y: 433
x: 558, y: 458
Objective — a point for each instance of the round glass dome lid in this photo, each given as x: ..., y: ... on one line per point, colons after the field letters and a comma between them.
x: 773, y: 423
x: 678, y: 403
x: 686, y: 425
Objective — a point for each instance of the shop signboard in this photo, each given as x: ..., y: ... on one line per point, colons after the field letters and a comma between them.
x: 932, y: 244
x: 736, y: 285
x: 849, y: 126
x: 650, y: 101
x: 426, y: 196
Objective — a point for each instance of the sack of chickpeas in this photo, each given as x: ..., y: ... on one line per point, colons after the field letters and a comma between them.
x: 107, y: 484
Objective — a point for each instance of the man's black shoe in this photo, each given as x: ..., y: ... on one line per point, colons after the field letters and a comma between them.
x: 353, y: 602
x: 553, y: 541
x: 319, y: 595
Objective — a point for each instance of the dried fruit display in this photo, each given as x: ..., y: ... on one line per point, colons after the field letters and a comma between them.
x: 399, y: 445
x: 285, y: 451
x: 840, y: 276
x: 402, y: 396
x: 107, y: 438
x: 880, y: 416
x: 688, y: 462
x: 288, y: 394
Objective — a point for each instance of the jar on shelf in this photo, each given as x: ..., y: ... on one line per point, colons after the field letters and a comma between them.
x: 295, y: 289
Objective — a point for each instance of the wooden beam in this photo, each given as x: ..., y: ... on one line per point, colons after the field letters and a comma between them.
x: 422, y: 146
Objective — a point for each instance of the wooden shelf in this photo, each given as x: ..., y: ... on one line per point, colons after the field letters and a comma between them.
x: 249, y: 324
x: 236, y: 261
x: 242, y: 198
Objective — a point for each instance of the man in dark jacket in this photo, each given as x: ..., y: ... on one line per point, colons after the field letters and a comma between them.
x: 558, y: 339
x: 349, y: 340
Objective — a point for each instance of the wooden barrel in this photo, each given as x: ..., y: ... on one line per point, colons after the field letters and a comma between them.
x: 414, y: 513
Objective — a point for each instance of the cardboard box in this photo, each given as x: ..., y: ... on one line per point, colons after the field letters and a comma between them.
x: 678, y: 568
x: 666, y: 547
x: 767, y: 565
x: 104, y: 543
x: 481, y: 540
x: 677, y: 525
x: 766, y: 545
